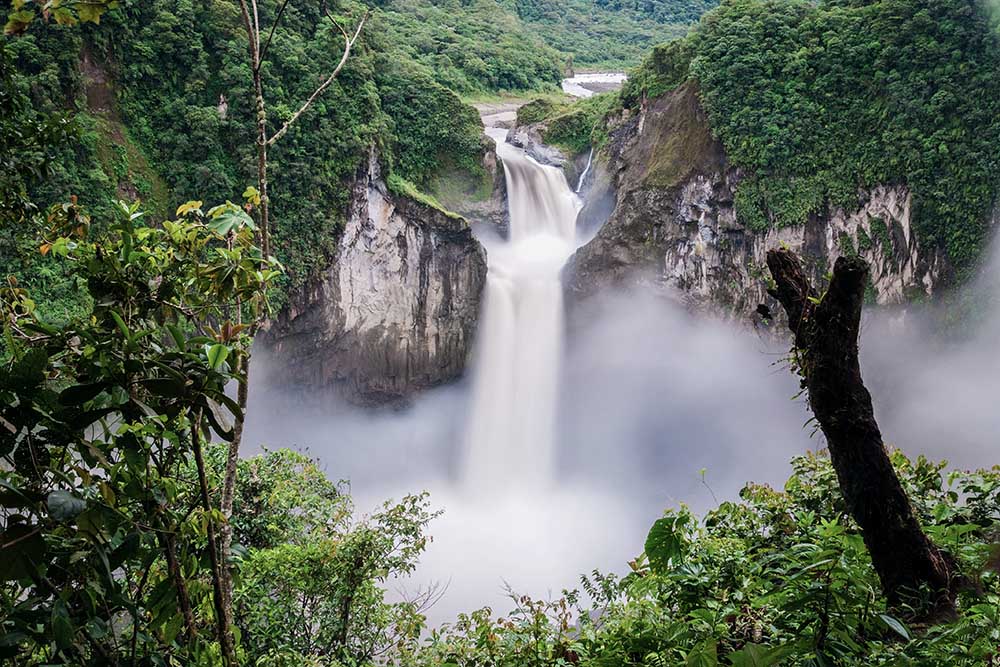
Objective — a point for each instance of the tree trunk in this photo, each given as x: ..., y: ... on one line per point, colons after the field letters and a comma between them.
x: 168, y: 544
x: 826, y: 334
x: 229, y: 488
x: 227, y: 644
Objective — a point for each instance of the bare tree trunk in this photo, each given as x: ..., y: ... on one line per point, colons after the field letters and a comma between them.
x: 229, y: 489
x: 826, y: 334
x: 168, y: 542
x: 223, y: 615
x: 262, y: 144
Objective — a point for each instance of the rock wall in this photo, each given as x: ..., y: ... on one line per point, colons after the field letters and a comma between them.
x: 673, y: 225
x: 396, y: 310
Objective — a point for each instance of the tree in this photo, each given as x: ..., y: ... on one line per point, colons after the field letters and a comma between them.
x: 106, y: 512
x: 257, y: 52
x: 825, y: 353
x: 310, y: 582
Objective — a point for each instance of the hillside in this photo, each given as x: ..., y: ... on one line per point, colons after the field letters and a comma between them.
x: 159, y: 96
x: 608, y: 33
x: 633, y: 336
x: 841, y: 128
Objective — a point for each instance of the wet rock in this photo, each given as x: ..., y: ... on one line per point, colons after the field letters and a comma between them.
x: 672, y: 223
x: 396, y: 310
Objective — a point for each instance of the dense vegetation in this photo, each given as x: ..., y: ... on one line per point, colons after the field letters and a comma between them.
x: 609, y: 33
x: 571, y: 126
x: 816, y: 101
x: 159, y: 97
x: 112, y: 491
x: 779, y: 578
x: 106, y: 563
x: 112, y: 513
x: 819, y: 100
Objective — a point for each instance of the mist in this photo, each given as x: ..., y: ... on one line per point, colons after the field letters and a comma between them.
x: 657, y: 407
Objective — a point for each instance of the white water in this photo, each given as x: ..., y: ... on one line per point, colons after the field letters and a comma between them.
x: 510, y: 441
x: 581, y: 84
x: 586, y: 170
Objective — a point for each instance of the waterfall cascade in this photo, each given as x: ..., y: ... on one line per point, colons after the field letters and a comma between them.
x: 586, y: 170
x: 510, y: 441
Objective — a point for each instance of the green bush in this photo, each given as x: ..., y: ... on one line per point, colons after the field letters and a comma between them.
x: 781, y: 577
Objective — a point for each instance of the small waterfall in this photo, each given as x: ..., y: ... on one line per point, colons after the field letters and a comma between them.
x: 586, y: 170
x: 510, y: 441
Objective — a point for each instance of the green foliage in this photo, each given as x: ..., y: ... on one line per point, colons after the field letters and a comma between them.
x: 538, y: 110
x: 468, y: 46
x: 436, y: 132
x: 62, y: 12
x: 400, y: 186
x: 608, y: 33
x: 665, y: 68
x: 170, y: 82
x: 781, y: 577
x: 817, y: 100
x: 580, y: 125
x: 310, y: 578
x: 101, y: 527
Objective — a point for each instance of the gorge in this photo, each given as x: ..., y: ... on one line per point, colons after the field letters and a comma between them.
x: 550, y: 440
x: 469, y: 333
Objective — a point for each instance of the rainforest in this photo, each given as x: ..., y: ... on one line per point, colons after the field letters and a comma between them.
x: 500, y: 333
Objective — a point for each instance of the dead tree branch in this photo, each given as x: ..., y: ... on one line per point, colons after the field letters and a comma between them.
x: 826, y: 331
x: 349, y: 41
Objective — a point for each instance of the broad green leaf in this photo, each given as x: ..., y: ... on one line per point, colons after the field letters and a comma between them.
x: 217, y: 355
x: 92, y: 10
x: 895, y: 625
x: 705, y: 654
x: 252, y: 195
x: 81, y: 393
x: 28, y: 372
x: 62, y: 626
x: 228, y: 217
x: 665, y: 543
x: 189, y: 207
x: 756, y: 655
x: 18, y: 22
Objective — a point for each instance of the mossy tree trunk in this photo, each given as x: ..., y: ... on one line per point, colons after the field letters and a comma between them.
x: 826, y: 334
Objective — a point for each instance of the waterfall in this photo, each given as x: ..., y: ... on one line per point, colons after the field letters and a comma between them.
x: 586, y: 170
x: 510, y: 440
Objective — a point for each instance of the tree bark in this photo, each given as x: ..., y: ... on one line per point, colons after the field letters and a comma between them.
x: 229, y: 488
x: 227, y: 644
x: 826, y: 334
x: 168, y: 542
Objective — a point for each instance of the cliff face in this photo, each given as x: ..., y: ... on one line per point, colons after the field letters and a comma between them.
x: 396, y: 310
x: 673, y: 225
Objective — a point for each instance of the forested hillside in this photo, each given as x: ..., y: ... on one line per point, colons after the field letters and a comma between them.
x: 160, y: 504
x: 160, y: 97
x: 609, y: 33
x: 817, y: 102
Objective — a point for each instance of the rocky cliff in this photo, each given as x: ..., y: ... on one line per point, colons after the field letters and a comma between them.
x: 673, y: 224
x: 396, y: 310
